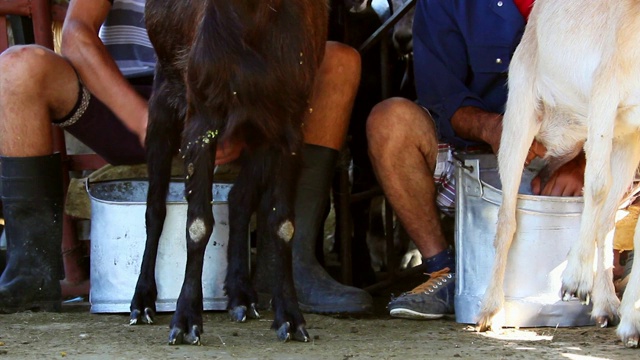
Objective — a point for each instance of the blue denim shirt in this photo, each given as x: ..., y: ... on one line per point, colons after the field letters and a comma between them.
x: 462, y: 50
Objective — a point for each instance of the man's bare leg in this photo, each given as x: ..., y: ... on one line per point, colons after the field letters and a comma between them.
x: 335, y: 90
x: 403, y: 148
x: 325, y: 130
x: 36, y: 86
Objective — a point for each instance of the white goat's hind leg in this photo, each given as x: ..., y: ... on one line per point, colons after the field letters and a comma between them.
x: 519, y: 128
x: 624, y: 161
x: 578, y: 276
x: 605, y: 301
x: 629, y: 328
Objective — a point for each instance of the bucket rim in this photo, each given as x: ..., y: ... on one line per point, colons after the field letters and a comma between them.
x: 89, y: 185
x: 537, y: 198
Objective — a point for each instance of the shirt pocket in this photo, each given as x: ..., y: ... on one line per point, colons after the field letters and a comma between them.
x: 489, y: 58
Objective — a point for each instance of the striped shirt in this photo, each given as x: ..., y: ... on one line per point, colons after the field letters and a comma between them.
x: 125, y: 36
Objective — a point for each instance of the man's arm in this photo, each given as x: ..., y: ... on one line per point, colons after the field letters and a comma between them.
x: 477, y: 124
x: 97, y: 69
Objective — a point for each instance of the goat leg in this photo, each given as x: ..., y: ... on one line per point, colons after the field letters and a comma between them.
x: 163, y: 136
x: 629, y: 327
x: 625, y: 156
x: 277, y: 221
x: 520, y: 124
x: 199, y: 146
x: 242, y: 298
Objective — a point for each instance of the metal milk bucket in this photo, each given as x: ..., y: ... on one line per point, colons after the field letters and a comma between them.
x: 547, y: 227
x: 118, y: 235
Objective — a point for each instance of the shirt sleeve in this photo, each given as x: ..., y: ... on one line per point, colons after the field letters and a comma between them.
x: 441, y: 66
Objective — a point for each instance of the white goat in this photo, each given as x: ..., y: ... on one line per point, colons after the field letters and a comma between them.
x: 575, y: 80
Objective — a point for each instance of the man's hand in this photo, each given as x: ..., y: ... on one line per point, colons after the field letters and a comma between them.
x: 229, y: 150
x: 568, y: 180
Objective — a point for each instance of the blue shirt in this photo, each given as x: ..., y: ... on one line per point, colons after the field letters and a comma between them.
x: 462, y: 51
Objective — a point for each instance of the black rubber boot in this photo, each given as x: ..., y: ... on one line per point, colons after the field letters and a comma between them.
x: 317, y: 291
x: 32, y: 204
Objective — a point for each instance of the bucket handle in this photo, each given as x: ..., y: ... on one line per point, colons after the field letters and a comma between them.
x: 471, y: 168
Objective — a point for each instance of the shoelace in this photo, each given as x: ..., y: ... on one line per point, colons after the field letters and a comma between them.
x: 436, y: 279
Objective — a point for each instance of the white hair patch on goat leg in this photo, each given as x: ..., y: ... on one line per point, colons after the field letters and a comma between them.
x: 285, y: 232
x: 197, y: 230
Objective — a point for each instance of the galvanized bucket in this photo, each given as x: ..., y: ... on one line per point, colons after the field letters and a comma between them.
x: 547, y: 227
x: 118, y: 235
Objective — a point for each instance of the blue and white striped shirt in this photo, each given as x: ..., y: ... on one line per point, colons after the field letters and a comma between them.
x: 125, y: 36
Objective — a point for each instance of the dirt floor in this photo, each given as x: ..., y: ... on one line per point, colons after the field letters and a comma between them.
x: 77, y: 334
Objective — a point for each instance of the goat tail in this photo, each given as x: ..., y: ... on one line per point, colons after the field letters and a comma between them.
x: 208, y: 66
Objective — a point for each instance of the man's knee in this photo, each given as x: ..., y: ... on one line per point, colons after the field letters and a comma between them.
x: 401, y: 121
x: 21, y: 62
x: 341, y: 62
x: 387, y: 116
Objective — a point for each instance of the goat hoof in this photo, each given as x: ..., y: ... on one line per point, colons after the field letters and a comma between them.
x: 135, y: 315
x: 253, y: 312
x: 602, y: 321
x: 238, y: 313
x: 585, y: 298
x: 193, y: 337
x: 482, y: 327
x: 283, y: 332
x: 485, y: 326
x: 632, y: 341
x: 177, y: 336
x: 301, y: 334
x: 147, y: 318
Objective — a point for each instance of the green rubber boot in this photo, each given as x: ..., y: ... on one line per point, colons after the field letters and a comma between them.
x: 32, y: 201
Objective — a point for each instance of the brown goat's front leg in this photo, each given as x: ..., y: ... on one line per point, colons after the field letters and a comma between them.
x: 163, y: 139
x: 199, y: 154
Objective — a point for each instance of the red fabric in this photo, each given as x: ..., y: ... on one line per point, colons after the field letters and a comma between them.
x: 525, y: 7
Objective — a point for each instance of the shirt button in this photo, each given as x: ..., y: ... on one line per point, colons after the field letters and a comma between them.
x: 498, y: 61
x: 500, y: 3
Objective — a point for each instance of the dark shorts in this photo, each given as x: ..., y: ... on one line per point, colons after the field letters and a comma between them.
x: 97, y: 127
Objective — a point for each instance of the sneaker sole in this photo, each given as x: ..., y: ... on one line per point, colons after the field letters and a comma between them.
x: 414, y: 315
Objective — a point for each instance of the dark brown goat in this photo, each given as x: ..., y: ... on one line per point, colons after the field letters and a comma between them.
x: 229, y: 68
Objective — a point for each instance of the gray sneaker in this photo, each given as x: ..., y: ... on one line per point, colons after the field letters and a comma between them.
x: 430, y: 300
